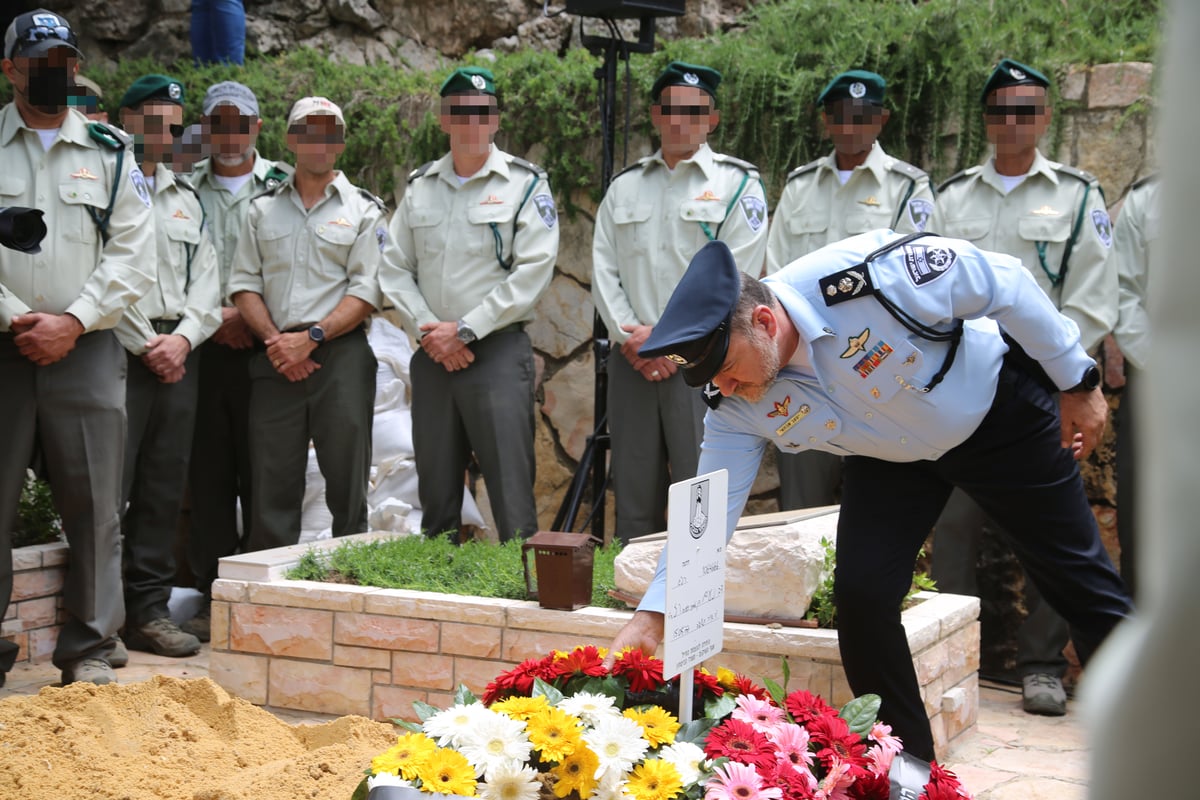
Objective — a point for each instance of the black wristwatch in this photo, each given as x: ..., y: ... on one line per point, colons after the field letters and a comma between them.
x: 316, y: 333
x: 465, y: 334
x: 1091, y: 380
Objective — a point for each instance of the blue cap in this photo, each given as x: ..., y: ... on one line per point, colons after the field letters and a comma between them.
x: 695, y: 326
x: 1012, y: 73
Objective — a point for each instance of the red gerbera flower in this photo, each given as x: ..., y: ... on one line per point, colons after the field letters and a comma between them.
x: 943, y: 784
x: 796, y: 784
x: 743, y: 685
x: 738, y: 741
x: 707, y: 682
x: 580, y: 661
x: 868, y: 786
x: 834, y: 739
x: 644, y: 673
x: 519, y: 679
x: 805, y: 707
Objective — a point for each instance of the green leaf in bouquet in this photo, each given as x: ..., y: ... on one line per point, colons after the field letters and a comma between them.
x: 717, y: 708
x: 786, y: 668
x: 777, y: 692
x: 424, y: 710
x: 464, y: 696
x: 407, y: 725
x: 360, y: 791
x: 861, y: 712
x: 695, y: 731
x: 541, y: 688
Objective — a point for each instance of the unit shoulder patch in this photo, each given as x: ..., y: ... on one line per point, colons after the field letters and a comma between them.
x: 919, y: 212
x: 926, y: 263
x: 138, y: 181
x: 1103, y: 227
x: 544, y: 203
x: 754, y: 209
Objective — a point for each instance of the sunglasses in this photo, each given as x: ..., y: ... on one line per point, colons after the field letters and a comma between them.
x: 684, y: 111
x: 843, y: 115
x: 1022, y: 111
x: 42, y: 33
x: 473, y: 112
x: 235, y: 125
x: 316, y: 134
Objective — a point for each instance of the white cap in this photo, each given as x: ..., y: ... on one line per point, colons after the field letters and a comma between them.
x: 310, y: 106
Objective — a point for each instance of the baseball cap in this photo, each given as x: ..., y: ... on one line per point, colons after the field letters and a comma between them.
x: 231, y: 93
x: 35, y: 33
x: 308, y: 106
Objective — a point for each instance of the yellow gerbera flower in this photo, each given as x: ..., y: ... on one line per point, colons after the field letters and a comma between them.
x: 521, y: 708
x: 447, y: 771
x: 576, y: 773
x: 406, y: 756
x: 659, y: 726
x: 554, y: 733
x: 727, y: 678
x: 654, y: 779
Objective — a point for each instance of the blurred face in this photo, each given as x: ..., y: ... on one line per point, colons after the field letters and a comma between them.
x: 853, y: 125
x: 155, y: 126
x: 230, y: 136
x: 684, y: 116
x: 317, y: 142
x: 1016, y: 117
x: 752, y: 363
x: 471, y: 121
x: 43, y: 83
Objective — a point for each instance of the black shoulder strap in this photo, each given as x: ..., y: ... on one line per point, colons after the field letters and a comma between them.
x: 419, y: 171
x: 378, y: 201
x: 110, y: 140
x: 955, y: 177
x: 1140, y: 182
x: 804, y: 170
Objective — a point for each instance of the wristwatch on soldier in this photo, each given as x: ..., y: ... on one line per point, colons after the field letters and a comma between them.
x: 317, y: 334
x: 465, y: 334
x: 1091, y: 380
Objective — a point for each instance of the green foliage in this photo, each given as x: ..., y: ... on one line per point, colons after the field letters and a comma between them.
x: 823, y: 610
x: 861, y: 712
x: 436, y: 564
x: 37, y: 518
x: 934, y: 54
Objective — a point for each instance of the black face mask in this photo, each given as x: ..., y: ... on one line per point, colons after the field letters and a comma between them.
x: 47, y: 89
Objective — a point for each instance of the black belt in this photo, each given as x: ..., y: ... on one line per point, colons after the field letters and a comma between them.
x: 165, y: 325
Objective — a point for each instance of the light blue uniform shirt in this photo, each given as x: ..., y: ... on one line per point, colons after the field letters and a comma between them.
x: 863, y: 393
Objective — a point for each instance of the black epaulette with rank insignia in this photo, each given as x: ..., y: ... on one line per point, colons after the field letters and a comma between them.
x: 958, y: 176
x: 745, y: 166
x: 376, y: 199
x: 804, y: 170
x: 1075, y: 172
x: 908, y: 170
x: 419, y: 171
x: 529, y: 165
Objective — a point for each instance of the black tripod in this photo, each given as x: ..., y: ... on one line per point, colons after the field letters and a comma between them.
x: 594, y: 461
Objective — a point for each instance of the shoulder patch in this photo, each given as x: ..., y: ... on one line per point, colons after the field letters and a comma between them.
x: 754, y: 209
x: 919, y: 212
x: 378, y: 201
x: 904, y: 168
x: 419, y: 171
x: 1103, y: 227
x: 927, y: 263
x: 958, y: 176
x: 529, y: 165
x: 1082, y: 175
x: 544, y: 203
x: 847, y: 284
x: 745, y: 166
x: 138, y: 181
x: 809, y: 167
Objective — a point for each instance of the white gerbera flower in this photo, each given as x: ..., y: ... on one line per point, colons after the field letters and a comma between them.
x: 511, y: 781
x: 618, y: 743
x: 611, y: 788
x: 590, y: 708
x: 495, y: 741
x: 686, y: 757
x: 449, y: 726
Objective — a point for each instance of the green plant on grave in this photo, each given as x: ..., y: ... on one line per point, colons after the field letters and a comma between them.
x: 435, y: 564
x: 37, y: 518
x: 823, y: 610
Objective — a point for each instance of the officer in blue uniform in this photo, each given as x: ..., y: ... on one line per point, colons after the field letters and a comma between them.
x: 887, y: 349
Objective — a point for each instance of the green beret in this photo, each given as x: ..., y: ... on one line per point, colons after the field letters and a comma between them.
x: 678, y: 73
x: 153, y: 87
x: 857, y: 84
x: 469, y: 80
x: 1012, y: 73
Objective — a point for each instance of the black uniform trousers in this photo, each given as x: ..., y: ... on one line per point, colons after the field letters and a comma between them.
x: 161, y: 419
x: 335, y: 409
x: 487, y: 409
x: 73, y: 411
x: 1014, y: 466
x: 220, y: 463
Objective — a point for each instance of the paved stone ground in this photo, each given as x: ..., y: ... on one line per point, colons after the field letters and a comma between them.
x: 1011, y: 756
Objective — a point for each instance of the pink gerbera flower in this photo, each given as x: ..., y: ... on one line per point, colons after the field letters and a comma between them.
x: 762, y: 715
x: 736, y: 781
x: 882, y: 735
x: 791, y: 746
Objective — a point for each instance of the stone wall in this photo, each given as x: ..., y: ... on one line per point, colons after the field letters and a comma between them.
x: 35, y: 614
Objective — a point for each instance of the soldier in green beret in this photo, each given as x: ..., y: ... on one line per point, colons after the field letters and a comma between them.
x: 471, y: 248
x: 856, y: 188
x: 655, y: 216
x: 1052, y: 217
x: 161, y: 333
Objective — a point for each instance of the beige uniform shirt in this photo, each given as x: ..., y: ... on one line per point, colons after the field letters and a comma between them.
x: 816, y: 209
x: 1136, y: 233
x: 76, y: 272
x: 447, y: 239
x: 1035, y: 223
x: 304, y: 261
x: 188, y: 287
x: 654, y: 219
x: 226, y: 211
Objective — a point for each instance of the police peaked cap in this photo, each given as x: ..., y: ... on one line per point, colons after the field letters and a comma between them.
x: 153, y: 87
x: 678, y: 73
x: 856, y: 84
x: 694, y: 329
x: 1012, y: 73
x: 469, y: 80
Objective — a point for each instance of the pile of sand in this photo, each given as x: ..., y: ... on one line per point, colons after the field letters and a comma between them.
x: 177, y: 739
